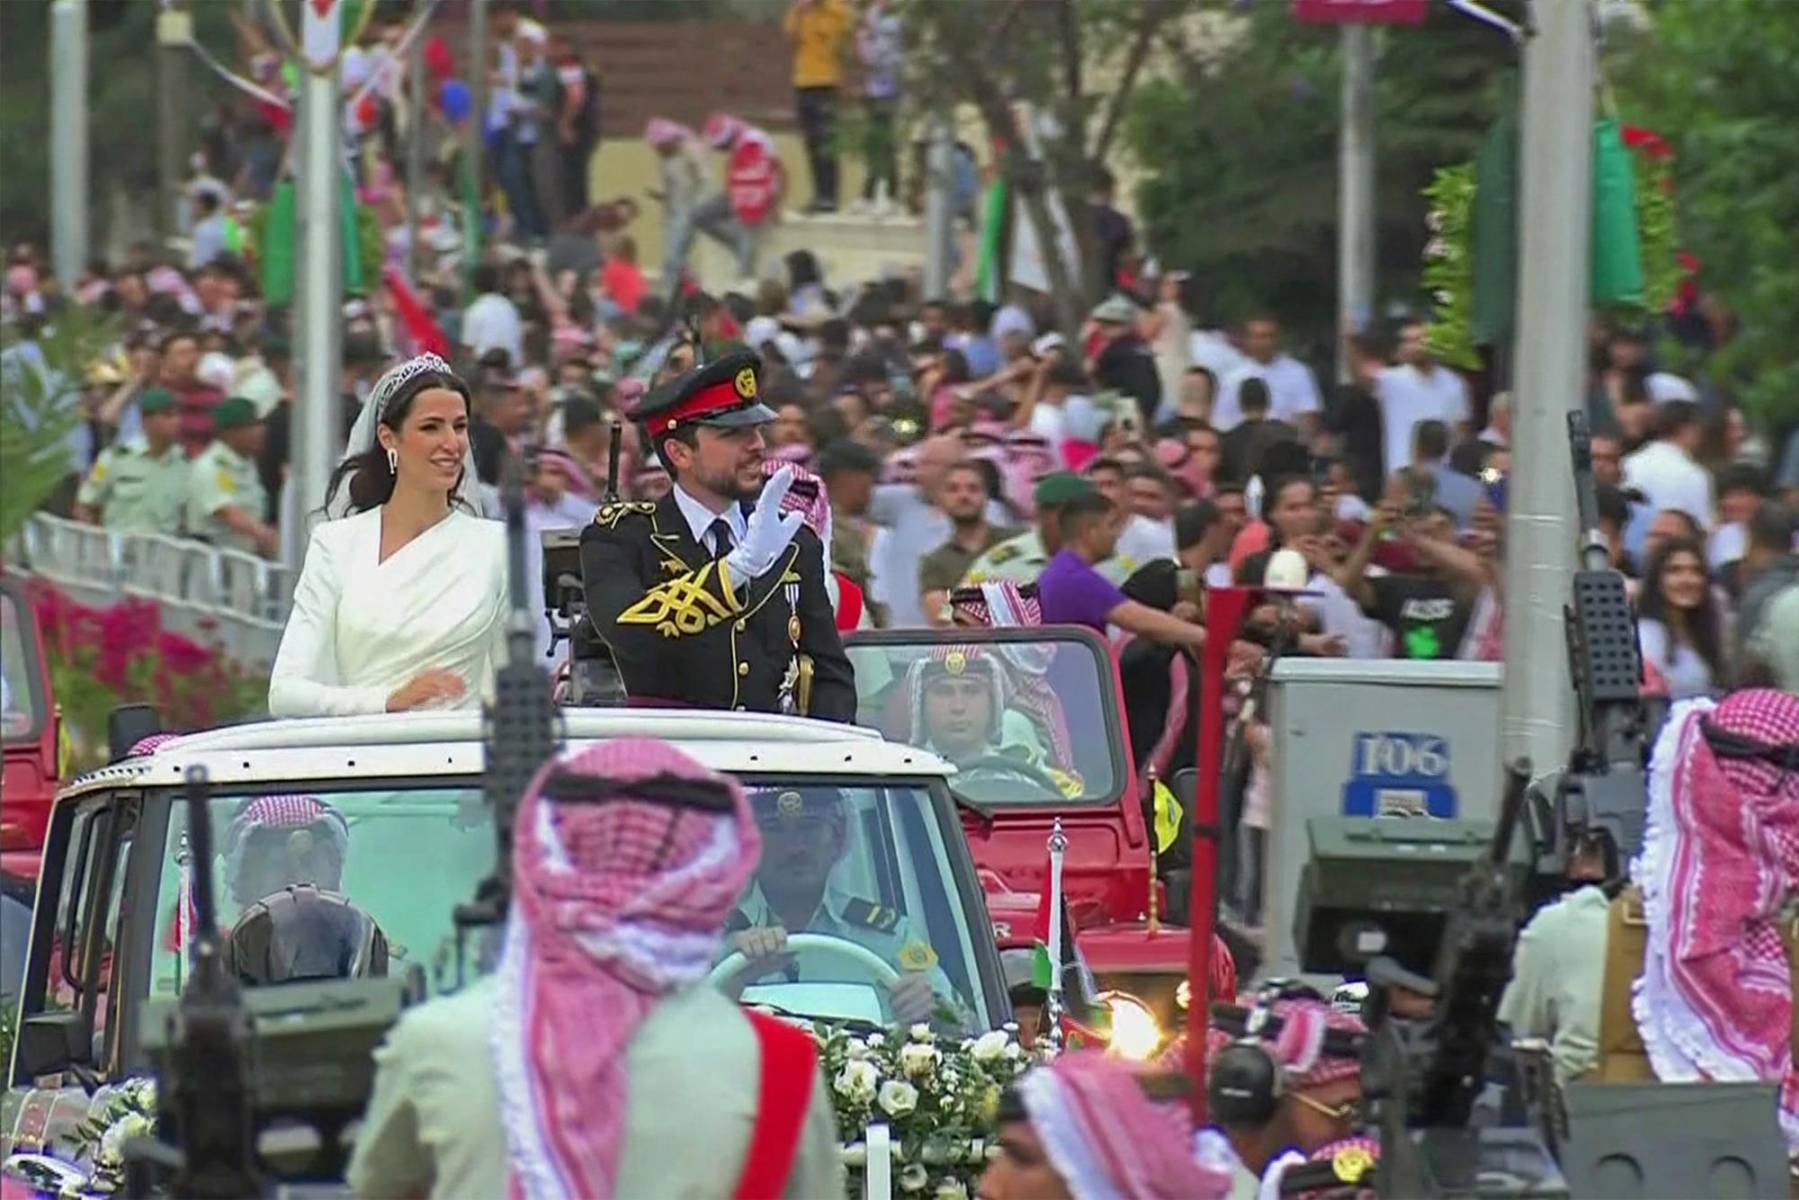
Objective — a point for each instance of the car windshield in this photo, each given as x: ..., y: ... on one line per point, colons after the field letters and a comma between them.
x: 1026, y: 720
x: 19, y: 704
x: 392, y: 863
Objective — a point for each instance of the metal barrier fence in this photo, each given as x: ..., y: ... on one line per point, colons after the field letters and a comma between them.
x: 210, y: 592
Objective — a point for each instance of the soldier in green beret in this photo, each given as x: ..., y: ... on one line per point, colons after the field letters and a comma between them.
x: 140, y: 485
x: 225, y: 497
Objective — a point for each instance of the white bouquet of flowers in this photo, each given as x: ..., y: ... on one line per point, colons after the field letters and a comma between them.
x: 939, y: 1098
x: 117, y: 1113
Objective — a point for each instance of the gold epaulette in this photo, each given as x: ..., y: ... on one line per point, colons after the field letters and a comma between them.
x: 611, y: 514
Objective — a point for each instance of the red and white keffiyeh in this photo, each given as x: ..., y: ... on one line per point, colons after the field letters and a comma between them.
x: 615, y: 904
x: 1720, y: 858
x: 1106, y: 1137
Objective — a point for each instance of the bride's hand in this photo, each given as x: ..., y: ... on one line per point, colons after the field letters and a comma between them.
x: 434, y: 685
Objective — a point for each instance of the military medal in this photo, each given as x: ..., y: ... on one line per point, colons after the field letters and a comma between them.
x: 790, y: 678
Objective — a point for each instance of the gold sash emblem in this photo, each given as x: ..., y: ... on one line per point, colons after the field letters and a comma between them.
x: 679, y: 607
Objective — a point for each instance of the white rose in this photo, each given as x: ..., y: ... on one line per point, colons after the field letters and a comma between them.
x: 876, y: 1040
x: 897, y: 1098
x: 920, y: 1033
x: 854, y: 1155
x: 1013, y: 1050
x: 913, y: 1178
x: 856, y: 1050
x: 856, y: 1081
x: 990, y: 1046
x: 918, y: 1060
x: 951, y: 1189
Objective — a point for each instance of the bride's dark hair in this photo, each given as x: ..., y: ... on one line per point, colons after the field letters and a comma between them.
x: 370, y: 480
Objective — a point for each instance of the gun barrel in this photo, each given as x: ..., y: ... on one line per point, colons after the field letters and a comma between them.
x: 199, y: 843
x: 512, y: 485
x: 1511, y: 809
x: 612, y: 449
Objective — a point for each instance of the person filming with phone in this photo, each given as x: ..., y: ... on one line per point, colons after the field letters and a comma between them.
x: 715, y: 596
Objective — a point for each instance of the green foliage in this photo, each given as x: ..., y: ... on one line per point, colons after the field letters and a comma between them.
x: 1449, y: 266
x: 102, y: 658
x: 1720, y: 81
x: 1241, y: 154
x: 121, y: 102
x: 40, y: 403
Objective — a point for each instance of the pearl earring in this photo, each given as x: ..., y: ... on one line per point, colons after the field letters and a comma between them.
x: 393, y: 462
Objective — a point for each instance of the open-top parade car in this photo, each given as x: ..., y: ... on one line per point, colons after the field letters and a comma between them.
x: 344, y: 846
x: 1033, y: 719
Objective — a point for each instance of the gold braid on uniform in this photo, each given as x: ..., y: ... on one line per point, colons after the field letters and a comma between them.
x: 687, y: 605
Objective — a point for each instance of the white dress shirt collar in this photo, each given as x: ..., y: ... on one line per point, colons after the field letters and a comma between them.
x: 700, y: 518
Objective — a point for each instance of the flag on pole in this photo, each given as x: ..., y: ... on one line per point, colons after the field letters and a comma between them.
x: 993, y: 225
x: 321, y: 32
x: 1046, y: 962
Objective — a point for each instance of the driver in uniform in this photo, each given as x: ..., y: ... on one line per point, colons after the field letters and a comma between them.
x: 959, y: 712
x: 804, y: 835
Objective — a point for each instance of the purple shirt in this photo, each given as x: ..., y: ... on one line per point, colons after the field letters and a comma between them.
x: 1073, y: 593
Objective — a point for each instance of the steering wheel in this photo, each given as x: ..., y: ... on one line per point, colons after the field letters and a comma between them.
x: 1001, y: 764
x: 737, y: 960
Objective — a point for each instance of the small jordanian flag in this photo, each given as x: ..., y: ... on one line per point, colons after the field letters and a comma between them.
x: 1042, y: 970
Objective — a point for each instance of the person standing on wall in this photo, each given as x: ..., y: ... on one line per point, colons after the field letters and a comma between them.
x: 819, y: 31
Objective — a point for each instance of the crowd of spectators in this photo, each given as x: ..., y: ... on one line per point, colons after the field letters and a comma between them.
x: 959, y: 440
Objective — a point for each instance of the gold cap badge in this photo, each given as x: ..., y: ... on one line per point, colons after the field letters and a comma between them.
x: 746, y: 383
x: 955, y: 662
x: 789, y: 804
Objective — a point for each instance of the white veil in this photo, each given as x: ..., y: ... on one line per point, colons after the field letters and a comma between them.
x: 362, y: 436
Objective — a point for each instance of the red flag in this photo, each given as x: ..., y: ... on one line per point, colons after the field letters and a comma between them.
x: 426, y: 335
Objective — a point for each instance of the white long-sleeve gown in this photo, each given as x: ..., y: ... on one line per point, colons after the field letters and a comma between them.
x: 361, y: 627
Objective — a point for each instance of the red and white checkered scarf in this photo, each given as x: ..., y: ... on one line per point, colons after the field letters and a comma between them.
x: 1720, y: 858
x: 1106, y: 1138
x: 614, y: 905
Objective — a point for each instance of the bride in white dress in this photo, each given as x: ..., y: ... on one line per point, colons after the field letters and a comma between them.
x: 402, y: 601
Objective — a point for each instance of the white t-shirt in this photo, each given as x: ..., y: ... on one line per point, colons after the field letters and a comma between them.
x: 492, y: 321
x: 1292, y: 391
x: 1048, y: 423
x: 1669, y: 478
x: 1212, y: 350
x: 1685, y: 671
x: 1145, y: 540
x: 1408, y: 396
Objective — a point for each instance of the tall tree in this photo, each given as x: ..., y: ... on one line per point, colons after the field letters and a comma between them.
x: 1240, y: 151
x: 1070, y: 67
x: 1719, y: 82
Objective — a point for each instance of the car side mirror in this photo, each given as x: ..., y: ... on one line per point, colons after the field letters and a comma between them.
x: 126, y: 726
x: 54, y: 1041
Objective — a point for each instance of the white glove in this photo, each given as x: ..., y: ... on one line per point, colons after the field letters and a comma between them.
x: 769, y: 533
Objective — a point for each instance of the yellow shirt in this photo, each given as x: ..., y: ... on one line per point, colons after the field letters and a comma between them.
x: 819, y: 31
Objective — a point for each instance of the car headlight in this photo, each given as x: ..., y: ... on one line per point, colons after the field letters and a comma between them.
x: 1135, y: 1034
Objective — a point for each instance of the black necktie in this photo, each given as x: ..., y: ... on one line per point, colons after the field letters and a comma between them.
x: 721, y: 538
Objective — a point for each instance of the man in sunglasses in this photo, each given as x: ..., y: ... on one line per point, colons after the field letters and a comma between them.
x: 1317, y: 1095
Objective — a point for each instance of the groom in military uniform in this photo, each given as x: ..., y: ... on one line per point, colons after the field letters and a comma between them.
x: 713, y: 596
